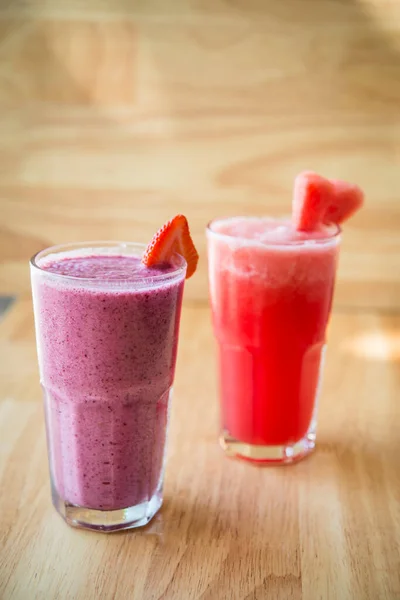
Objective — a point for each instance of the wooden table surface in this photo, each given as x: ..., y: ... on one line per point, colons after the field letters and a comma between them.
x: 328, y: 527
x: 117, y: 114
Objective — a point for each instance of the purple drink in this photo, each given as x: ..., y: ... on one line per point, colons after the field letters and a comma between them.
x: 107, y: 334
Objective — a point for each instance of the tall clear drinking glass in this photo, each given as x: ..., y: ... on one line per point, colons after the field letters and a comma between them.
x: 107, y: 335
x: 271, y: 293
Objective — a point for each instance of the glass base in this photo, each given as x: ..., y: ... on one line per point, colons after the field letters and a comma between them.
x: 269, y: 455
x: 108, y: 520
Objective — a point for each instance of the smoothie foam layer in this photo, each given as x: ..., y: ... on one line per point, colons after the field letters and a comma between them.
x: 267, y: 231
x: 270, y: 252
x: 104, y: 267
x: 107, y: 341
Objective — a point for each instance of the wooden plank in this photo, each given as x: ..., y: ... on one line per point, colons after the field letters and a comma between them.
x: 323, y: 11
x: 109, y: 126
x: 369, y: 269
x: 326, y: 528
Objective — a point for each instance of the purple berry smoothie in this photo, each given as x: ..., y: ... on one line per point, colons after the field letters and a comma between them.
x: 107, y: 331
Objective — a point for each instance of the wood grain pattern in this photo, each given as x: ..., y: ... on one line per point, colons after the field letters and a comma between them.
x: 115, y: 115
x: 326, y: 528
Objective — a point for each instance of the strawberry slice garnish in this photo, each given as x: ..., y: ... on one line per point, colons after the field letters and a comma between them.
x: 173, y: 237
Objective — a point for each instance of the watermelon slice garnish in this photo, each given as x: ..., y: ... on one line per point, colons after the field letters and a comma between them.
x: 319, y: 201
x: 311, y: 198
x: 173, y: 238
x: 347, y: 199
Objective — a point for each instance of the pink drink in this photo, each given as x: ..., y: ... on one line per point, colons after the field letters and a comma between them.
x: 271, y: 291
x: 107, y: 334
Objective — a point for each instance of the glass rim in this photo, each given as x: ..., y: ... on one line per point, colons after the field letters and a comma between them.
x: 322, y: 240
x: 104, y: 244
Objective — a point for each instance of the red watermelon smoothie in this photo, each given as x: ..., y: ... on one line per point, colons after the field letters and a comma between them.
x: 107, y: 334
x: 271, y: 291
